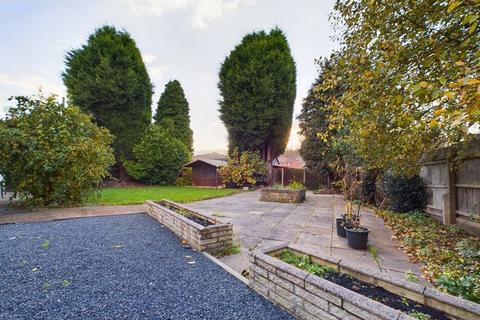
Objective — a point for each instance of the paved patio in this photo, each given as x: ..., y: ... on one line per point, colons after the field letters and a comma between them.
x: 259, y: 224
x: 310, y: 224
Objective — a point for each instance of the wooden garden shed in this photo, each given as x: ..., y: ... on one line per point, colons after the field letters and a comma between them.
x: 205, y: 172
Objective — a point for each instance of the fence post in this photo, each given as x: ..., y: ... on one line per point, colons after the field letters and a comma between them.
x: 450, y: 199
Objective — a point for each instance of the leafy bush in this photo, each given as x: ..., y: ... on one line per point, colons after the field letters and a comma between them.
x: 466, y: 286
x: 52, y: 154
x: 243, y: 169
x: 159, y: 157
x: 367, y: 186
x: 185, y: 178
x: 451, y: 257
x: 405, y: 193
x: 296, y: 185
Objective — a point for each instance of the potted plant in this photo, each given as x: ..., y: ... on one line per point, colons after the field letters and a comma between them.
x: 357, y: 236
x: 347, y: 166
x: 349, y: 184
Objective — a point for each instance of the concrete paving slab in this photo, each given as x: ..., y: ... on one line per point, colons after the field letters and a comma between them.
x: 310, y: 224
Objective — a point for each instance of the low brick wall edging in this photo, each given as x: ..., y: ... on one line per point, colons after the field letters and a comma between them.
x: 325, y: 294
x: 282, y: 195
x: 211, y: 239
x: 268, y: 273
x: 415, y: 288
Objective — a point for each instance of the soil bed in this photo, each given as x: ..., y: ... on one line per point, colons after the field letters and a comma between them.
x: 371, y: 291
x: 187, y: 214
x: 383, y: 296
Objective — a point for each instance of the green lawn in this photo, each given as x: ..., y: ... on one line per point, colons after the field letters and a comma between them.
x: 138, y: 195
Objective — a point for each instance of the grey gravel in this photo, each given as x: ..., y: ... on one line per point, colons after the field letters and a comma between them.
x: 117, y: 267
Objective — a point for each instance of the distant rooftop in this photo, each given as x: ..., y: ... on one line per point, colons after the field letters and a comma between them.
x: 290, y: 161
x: 211, y: 156
x: 215, y: 163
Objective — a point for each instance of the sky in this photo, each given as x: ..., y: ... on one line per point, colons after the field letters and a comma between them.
x: 185, y: 40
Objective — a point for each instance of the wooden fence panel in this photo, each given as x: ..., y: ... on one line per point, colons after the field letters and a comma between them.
x: 464, y: 183
x: 435, y: 175
x: 467, y: 185
x: 310, y: 180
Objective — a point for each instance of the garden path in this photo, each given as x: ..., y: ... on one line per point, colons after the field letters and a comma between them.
x: 8, y: 215
x: 311, y: 225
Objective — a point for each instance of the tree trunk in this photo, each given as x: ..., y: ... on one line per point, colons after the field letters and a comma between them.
x: 123, y: 176
x: 269, y: 161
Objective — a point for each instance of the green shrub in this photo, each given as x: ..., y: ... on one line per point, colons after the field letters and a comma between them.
x: 404, y: 194
x: 466, y: 286
x: 52, y: 154
x: 296, y: 185
x: 366, y: 191
x: 158, y: 157
x: 243, y: 169
x: 185, y: 178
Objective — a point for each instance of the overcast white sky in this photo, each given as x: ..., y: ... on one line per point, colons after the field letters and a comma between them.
x: 179, y: 39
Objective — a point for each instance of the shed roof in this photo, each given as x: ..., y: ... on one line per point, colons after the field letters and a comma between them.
x: 215, y: 163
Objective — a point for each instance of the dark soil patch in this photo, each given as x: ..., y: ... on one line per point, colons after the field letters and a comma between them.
x: 187, y: 214
x: 198, y: 220
x: 383, y: 296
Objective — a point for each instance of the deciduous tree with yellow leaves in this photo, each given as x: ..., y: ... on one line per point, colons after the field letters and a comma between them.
x: 411, y: 70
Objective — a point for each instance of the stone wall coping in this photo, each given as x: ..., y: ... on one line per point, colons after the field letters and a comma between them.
x: 354, y: 298
x: 273, y: 248
x: 177, y: 215
x: 216, y: 224
x: 458, y: 302
x: 280, y: 265
x: 444, y: 298
x: 270, y: 189
x: 211, y: 239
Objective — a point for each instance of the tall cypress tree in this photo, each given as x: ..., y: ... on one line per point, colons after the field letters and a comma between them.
x: 107, y: 77
x: 173, y: 106
x: 314, y: 123
x: 257, y: 85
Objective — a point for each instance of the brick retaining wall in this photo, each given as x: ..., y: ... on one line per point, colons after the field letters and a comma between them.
x: 310, y: 297
x: 212, y: 239
x: 282, y: 195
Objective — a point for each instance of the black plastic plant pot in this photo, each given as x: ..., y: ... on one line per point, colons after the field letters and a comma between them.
x: 357, y: 238
x: 340, y: 227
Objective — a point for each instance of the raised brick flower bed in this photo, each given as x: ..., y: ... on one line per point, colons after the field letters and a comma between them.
x: 283, y: 195
x: 200, y: 231
x: 308, y: 296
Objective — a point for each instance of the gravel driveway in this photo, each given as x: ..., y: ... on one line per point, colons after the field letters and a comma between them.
x: 117, y: 267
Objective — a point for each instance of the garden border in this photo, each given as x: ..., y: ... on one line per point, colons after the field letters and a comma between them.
x: 283, y: 195
x: 212, y: 239
x: 310, y: 297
